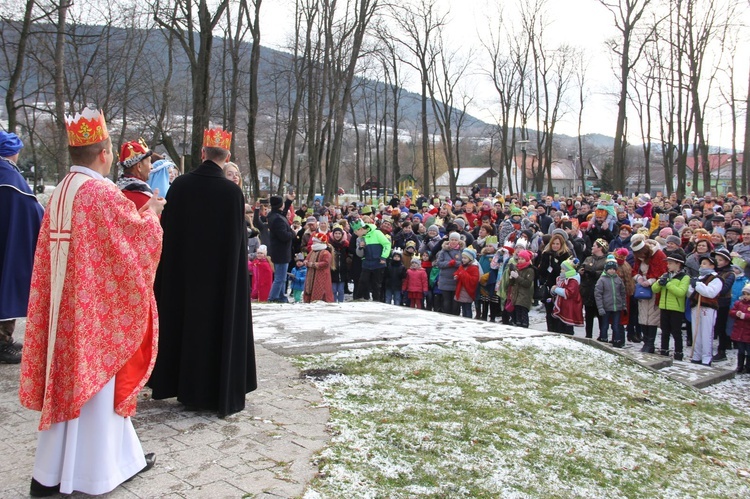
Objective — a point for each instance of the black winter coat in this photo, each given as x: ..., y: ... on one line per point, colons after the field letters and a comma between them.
x: 280, y: 235
x: 206, y: 352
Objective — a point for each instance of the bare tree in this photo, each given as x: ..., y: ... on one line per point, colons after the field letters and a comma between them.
x: 11, y: 104
x: 62, y: 135
x: 180, y: 19
x: 419, y: 24
x: 628, y: 17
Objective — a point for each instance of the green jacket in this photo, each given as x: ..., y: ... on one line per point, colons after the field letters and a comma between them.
x: 674, y: 293
x: 522, y: 287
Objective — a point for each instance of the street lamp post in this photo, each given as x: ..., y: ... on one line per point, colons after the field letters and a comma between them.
x: 523, y: 144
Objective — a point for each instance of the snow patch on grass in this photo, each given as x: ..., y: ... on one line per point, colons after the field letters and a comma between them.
x: 526, y: 417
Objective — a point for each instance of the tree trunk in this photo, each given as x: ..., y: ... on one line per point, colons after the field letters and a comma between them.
x: 62, y: 136
x: 15, y: 75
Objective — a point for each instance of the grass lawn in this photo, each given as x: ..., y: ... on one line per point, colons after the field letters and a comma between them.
x: 543, y: 417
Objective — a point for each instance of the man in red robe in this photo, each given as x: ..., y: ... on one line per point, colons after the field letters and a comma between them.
x: 135, y: 161
x: 88, y: 350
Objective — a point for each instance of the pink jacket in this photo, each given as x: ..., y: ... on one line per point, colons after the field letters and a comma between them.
x: 416, y: 281
x: 741, y: 328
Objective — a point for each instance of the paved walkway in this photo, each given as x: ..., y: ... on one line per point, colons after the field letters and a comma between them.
x: 264, y: 451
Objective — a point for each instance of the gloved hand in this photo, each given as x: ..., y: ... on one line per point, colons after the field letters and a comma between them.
x: 663, y: 280
x: 693, y: 280
x: 740, y: 315
x: 513, y: 274
x: 452, y: 263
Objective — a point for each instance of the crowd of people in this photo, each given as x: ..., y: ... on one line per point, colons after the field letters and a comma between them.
x: 632, y: 264
x: 107, y: 278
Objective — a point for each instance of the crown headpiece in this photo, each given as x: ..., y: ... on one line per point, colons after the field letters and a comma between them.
x: 86, y: 128
x: 217, y: 137
x: 133, y: 152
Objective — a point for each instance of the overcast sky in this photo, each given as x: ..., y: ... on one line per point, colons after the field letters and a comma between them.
x: 580, y: 23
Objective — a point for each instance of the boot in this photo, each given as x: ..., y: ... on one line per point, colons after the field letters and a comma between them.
x: 9, y: 354
x: 740, y: 362
x: 720, y: 355
x: 678, y: 356
x: 648, y: 342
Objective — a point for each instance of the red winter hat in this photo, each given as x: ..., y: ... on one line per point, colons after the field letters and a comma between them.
x: 133, y: 152
x: 320, y: 236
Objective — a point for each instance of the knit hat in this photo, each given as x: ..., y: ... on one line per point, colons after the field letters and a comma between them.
x: 626, y: 227
x: 526, y: 255
x: 638, y: 242
x: 299, y: 257
x: 569, y: 267
x: 433, y: 227
x: 674, y: 239
x: 665, y: 232
x: 415, y: 263
x: 611, y: 263
x: 621, y: 254
x: 746, y: 289
x: 276, y: 202
x: 678, y: 255
x: 262, y: 249
x: 460, y: 222
x: 561, y: 232
x: 470, y: 253
x: 521, y: 243
x: 454, y: 236
x: 516, y: 211
x: 311, y: 220
x: 10, y: 144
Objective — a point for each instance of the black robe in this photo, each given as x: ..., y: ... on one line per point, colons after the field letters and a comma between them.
x: 206, y: 353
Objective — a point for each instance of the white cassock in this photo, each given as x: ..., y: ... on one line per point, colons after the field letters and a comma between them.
x: 93, y: 453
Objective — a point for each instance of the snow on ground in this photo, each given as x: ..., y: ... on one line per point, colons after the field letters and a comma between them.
x: 299, y: 328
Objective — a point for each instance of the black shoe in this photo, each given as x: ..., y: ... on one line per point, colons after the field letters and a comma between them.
x: 693, y: 361
x: 618, y: 344
x: 9, y: 354
x: 589, y: 336
x: 150, y: 462
x: 741, y: 370
x: 39, y: 490
x: 664, y: 353
x: 678, y: 356
x: 603, y: 340
x: 720, y: 356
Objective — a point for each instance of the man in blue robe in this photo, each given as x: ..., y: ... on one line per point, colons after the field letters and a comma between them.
x: 19, y: 228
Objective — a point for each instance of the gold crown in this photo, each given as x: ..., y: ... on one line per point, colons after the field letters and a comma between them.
x: 86, y: 128
x: 217, y: 137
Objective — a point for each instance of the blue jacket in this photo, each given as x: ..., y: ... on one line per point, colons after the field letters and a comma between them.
x: 299, y: 274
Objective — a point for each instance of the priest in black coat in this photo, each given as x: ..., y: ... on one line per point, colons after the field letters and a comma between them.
x: 206, y: 354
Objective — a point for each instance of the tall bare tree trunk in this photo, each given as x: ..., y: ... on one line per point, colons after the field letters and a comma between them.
x: 15, y: 76
x: 62, y: 136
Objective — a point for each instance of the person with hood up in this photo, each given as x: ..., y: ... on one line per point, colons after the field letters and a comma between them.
x: 467, y: 279
x: 416, y: 284
x: 611, y: 299
x: 373, y: 248
x: 568, y: 305
x: 591, y: 270
x: 522, y: 287
x: 395, y: 273
x: 510, y: 228
x: 319, y: 261
x: 448, y: 260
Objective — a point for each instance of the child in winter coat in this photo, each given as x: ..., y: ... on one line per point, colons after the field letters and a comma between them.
x: 741, y: 330
x: 487, y: 299
x: 262, y: 270
x: 467, y: 279
x: 672, y: 288
x: 521, y: 281
x: 415, y: 284
x: 568, y: 305
x: 395, y: 273
x: 298, y: 275
x: 610, y: 296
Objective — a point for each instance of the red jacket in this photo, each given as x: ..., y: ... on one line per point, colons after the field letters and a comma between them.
x: 741, y: 329
x: 467, y: 277
x: 416, y: 281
